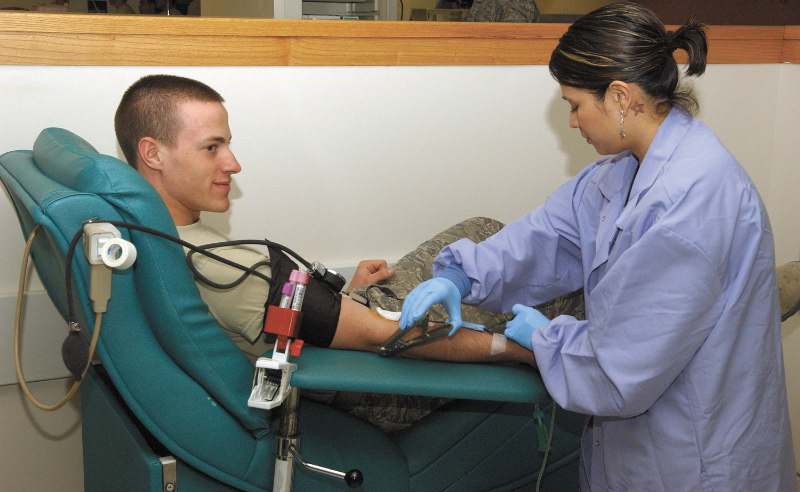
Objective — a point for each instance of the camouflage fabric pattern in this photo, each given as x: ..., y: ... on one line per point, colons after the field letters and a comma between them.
x: 788, y: 276
x: 391, y: 413
x: 503, y: 11
x: 417, y: 266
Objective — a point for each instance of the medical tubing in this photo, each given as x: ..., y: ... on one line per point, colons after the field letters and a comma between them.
x: 549, y: 444
x: 193, y: 249
x: 203, y: 250
x: 71, y: 318
x: 68, y: 275
x: 247, y: 271
x: 200, y: 249
x: 230, y: 285
x: 155, y: 232
x: 148, y: 230
x: 17, y: 313
x: 262, y: 242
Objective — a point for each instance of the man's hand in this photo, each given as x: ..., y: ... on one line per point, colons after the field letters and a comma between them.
x: 370, y: 272
x: 525, y: 322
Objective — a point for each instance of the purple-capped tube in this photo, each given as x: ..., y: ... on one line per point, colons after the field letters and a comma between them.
x: 300, y: 280
x: 286, y: 295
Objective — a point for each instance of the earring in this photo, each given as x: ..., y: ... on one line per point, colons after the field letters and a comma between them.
x: 621, y: 124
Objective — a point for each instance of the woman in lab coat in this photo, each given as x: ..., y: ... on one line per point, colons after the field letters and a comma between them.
x: 679, y: 362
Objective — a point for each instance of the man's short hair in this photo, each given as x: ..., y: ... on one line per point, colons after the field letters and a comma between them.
x: 149, y: 108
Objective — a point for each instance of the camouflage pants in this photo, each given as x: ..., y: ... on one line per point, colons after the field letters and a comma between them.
x: 391, y: 413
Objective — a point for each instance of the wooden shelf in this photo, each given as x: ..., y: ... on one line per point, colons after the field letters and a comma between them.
x: 29, y: 38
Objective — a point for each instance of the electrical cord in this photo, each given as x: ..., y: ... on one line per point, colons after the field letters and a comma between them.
x: 17, y: 314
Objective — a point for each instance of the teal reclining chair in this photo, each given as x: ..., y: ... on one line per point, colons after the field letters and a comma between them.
x: 167, y: 402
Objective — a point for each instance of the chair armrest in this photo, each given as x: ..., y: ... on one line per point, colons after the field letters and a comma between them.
x: 348, y: 370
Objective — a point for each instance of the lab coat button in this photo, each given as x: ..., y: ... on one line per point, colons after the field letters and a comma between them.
x: 597, y: 443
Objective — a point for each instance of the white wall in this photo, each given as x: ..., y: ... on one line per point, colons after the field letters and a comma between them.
x: 373, y: 160
x: 370, y: 161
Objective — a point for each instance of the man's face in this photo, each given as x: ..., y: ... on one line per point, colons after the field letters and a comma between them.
x: 196, y: 172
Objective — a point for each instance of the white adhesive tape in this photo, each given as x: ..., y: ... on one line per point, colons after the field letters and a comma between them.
x: 118, y: 253
x: 498, y: 344
x: 390, y: 315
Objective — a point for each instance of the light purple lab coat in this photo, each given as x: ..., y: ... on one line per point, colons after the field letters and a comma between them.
x: 679, y: 361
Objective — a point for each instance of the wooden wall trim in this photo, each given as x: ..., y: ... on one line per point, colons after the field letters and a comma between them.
x: 791, y: 45
x: 30, y: 38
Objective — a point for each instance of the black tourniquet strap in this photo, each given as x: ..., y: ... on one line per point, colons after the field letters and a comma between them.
x: 321, y: 306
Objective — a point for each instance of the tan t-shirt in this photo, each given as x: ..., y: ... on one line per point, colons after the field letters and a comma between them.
x: 240, y: 309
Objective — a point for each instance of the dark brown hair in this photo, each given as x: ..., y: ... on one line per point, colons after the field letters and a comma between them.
x: 149, y: 108
x: 626, y: 41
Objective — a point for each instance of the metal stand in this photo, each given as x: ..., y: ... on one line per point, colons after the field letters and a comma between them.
x: 288, y: 451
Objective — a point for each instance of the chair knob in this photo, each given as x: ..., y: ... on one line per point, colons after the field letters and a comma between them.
x: 354, y: 478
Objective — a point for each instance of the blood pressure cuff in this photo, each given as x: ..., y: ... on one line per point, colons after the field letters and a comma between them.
x: 321, y: 306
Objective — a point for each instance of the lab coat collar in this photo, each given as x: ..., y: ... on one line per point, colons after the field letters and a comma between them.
x: 668, y: 136
x: 616, y: 181
x: 613, y: 185
x: 613, y: 180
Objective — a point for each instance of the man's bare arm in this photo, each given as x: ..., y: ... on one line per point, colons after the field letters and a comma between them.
x: 362, y: 329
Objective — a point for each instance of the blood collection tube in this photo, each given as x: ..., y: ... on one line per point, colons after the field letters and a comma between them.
x: 300, y: 280
x: 286, y: 295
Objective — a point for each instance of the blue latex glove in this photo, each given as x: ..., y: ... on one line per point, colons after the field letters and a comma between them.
x: 428, y: 293
x: 525, y: 322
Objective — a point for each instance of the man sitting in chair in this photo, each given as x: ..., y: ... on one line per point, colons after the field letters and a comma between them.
x: 175, y: 132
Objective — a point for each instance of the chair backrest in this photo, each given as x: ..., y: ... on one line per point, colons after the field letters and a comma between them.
x: 174, y: 367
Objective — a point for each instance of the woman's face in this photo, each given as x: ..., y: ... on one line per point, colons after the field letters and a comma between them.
x: 597, y: 120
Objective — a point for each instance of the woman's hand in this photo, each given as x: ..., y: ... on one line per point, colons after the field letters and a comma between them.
x: 428, y: 293
x: 525, y: 322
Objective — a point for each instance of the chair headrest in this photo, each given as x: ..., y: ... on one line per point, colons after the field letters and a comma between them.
x: 75, y: 163
x: 72, y: 161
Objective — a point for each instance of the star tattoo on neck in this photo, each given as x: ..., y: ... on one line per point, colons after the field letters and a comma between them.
x: 637, y: 108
